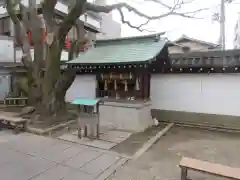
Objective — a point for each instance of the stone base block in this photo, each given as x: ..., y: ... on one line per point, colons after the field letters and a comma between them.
x: 127, y: 116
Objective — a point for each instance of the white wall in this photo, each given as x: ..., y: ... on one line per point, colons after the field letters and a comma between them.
x: 109, y: 28
x: 6, y: 50
x: 19, y: 54
x: 213, y: 94
x: 4, y: 85
x: 84, y: 86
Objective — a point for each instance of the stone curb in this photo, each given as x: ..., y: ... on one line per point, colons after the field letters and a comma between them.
x: 48, y: 130
x: 112, y: 169
x: 151, y: 141
x: 210, y: 128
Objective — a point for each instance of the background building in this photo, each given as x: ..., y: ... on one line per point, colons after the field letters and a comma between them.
x: 108, y: 28
x: 186, y: 44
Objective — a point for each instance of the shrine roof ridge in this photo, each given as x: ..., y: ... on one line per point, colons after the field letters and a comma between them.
x: 152, y: 36
x: 122, y: 50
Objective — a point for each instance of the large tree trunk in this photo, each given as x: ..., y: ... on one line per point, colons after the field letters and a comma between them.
x: 50, y: 88
x: 47, y: 83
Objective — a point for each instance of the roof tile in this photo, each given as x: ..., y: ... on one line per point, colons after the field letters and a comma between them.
x: 124, y: 50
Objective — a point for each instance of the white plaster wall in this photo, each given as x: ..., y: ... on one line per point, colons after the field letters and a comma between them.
x: 19, y: 54
x: 213, y: 94
x: 4, y: 84
x: 84, y: 86
x: 6, y: 50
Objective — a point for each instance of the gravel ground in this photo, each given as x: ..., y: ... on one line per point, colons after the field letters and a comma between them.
x: 161, y: 161
x: 136, y: 141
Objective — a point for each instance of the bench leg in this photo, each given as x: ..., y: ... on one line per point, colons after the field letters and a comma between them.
x: 183, y: 173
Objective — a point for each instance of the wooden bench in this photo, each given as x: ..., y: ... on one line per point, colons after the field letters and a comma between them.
x: 207, y: 167
x: 15, y: 101
x: 17, y: 123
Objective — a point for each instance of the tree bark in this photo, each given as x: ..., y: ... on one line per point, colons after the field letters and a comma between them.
x: 56, y: 81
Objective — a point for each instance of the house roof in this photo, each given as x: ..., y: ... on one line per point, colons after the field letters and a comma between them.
x: 171, y: 43
x: 122, y: 50
x: 183, y: 37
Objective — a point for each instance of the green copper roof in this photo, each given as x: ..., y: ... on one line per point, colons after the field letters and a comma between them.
x: 124, y: 50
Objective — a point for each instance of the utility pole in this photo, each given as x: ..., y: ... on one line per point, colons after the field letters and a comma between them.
x: 222, y: 25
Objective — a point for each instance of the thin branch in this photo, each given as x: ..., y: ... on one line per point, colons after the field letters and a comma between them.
x: 177, y: 4
x: 132, y: 26
x: 120, y: 6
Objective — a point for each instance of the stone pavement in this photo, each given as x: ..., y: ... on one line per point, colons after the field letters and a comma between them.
x: 108, y: 138
x: 31, y: 157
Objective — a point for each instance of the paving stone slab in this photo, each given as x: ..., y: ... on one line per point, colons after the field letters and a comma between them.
x: 11, y: 156
x: 115, y: 136
x: 99, y: 144
x: 32, y: 157
x: 24, y: 169
x: 97, y: 166
x: 52, y: 149
x: 85, y: 141
x: 6, y: 136
x: 82, y: 158
x: 79, y: 176
x: 30, y: 144
x: 56, y: 173
x: 64, y: 155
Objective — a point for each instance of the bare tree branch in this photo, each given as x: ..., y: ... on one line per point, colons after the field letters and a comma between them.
x: 171, y: 11
x: 71, y: 18
x: 132, y: 26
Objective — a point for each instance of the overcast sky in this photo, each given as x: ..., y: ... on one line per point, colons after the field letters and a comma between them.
x: 204, y: 29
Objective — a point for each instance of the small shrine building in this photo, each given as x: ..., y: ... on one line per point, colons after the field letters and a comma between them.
x: 138, y: 80
x: 119, y: 72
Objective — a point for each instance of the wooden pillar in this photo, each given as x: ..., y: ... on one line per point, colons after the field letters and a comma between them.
x: 142, y: 85
x: 145, y: 86
x: 149, y: 86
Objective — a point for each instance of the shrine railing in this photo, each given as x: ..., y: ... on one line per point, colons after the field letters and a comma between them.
x: 229, y: 58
